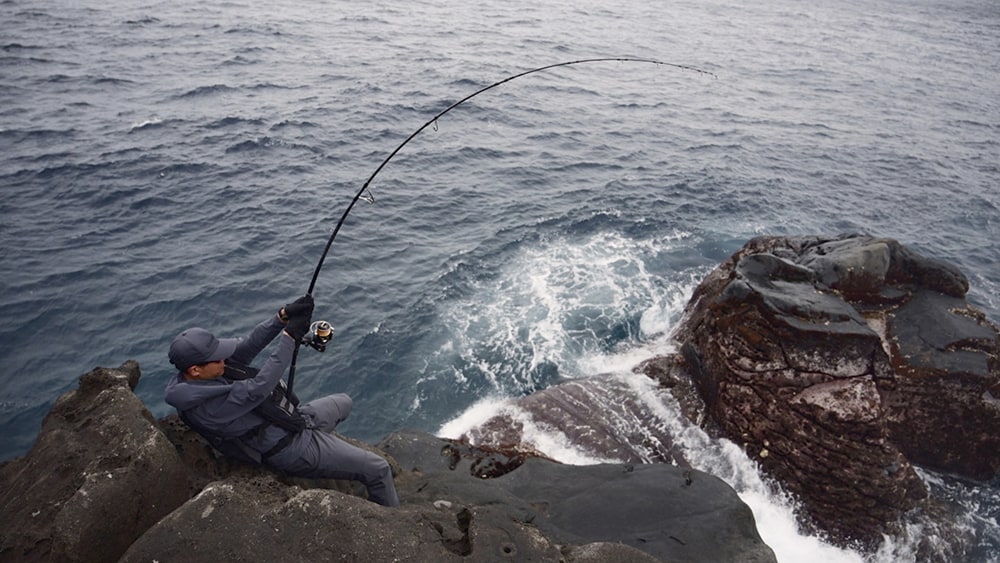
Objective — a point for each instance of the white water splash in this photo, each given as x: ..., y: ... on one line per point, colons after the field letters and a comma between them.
x: 146, y: 123
x: 559, y: 302
x: 537, y: 436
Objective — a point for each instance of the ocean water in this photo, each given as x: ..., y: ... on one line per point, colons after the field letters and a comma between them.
x: 170, y: 164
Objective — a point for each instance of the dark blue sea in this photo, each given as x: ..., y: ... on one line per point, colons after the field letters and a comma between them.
x: 175, y: 164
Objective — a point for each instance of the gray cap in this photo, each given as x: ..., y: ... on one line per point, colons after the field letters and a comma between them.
x: 198, y: 346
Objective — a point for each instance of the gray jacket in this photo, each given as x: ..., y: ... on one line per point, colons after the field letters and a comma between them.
x: 225, y: 407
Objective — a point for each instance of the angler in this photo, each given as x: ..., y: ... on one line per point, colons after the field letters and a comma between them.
x: 250, y: 416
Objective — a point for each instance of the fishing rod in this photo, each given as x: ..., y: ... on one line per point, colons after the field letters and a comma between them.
x: 321, y: 331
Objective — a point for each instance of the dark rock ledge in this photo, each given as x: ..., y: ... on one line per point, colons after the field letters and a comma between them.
x: 107, y: 482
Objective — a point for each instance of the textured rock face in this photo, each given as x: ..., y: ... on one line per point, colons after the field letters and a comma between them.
x: 838, y: 362
x: 106, y: 482
x: 99, y: 475
x: 591, y: 413
x: 671, y: 513
x: 532, y: 510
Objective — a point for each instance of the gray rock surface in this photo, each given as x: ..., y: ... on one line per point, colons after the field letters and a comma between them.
x: 99, y: 475
x: 106, y: 482
x: 672, y: 513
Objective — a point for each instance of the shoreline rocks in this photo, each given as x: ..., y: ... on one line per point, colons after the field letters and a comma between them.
x: 107, y: 482
x: 839, y: 364
x: 99, y: 475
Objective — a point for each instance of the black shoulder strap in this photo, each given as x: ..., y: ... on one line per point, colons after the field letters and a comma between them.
x: 280, y: 408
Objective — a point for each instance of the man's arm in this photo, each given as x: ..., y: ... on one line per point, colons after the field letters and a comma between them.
x: 259, y: 338
x: 293, y: 317
x: 252, y: 392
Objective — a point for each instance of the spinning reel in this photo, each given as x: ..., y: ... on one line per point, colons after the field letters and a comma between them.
x: 320, y: 333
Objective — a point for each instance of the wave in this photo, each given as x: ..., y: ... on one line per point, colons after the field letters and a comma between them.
x: 293, y: 124
x: 106, y: 80
x: 229, y: 121
x: 145, y: 20
x: 211, y: 90
x: 265, y: 142
x: 255, y: 29
x: 147, y: 123
x: 639, y: 415
x: 20, y: 47
x: 39, y: 136
x: 562, y: 303
x: 239, y: 60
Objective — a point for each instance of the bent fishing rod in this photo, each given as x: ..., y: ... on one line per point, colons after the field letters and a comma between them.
x: 321, y: 331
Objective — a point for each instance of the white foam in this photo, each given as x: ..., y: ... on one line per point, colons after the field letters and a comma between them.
x: 773, y: 511
x: 543, y: 439
x: 472, y: 417
x: 559, y: 303
x: 551, y: 304
x: 147, y: 123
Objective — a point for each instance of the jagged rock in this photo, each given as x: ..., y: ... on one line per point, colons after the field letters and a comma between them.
x: 465, y: 502
x: 99, y: 475
x: 106, y: 482
x: 838, y: 363
x: 590, y: 413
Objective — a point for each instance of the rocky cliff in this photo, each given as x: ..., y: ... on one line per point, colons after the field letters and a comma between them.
x: 839, y: 364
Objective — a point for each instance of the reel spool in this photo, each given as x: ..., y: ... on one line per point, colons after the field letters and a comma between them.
x: 320, y: 334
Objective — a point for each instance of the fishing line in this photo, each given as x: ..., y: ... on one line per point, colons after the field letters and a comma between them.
x: 365, y: 192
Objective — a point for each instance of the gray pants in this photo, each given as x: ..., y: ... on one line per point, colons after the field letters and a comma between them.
x: 317, y: 455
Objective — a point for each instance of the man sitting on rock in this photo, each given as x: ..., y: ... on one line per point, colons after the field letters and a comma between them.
x: 247, y: 413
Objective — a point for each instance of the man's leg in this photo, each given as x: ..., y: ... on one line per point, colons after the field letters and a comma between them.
x: 338, y: 459
x: 327, y: 412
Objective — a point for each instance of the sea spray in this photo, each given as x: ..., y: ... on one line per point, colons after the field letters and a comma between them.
x: 558, y: 303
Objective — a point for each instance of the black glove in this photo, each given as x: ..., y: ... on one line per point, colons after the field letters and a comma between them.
x: 299, y: 313
x: 303, y: 306
x: 297, y: 327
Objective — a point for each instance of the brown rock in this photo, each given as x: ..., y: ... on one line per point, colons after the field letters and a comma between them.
x: 838, y: 362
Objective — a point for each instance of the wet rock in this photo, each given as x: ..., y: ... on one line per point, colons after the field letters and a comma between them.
x: 840, y: 362
x: 668, y: 512
x: 589, y: 414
